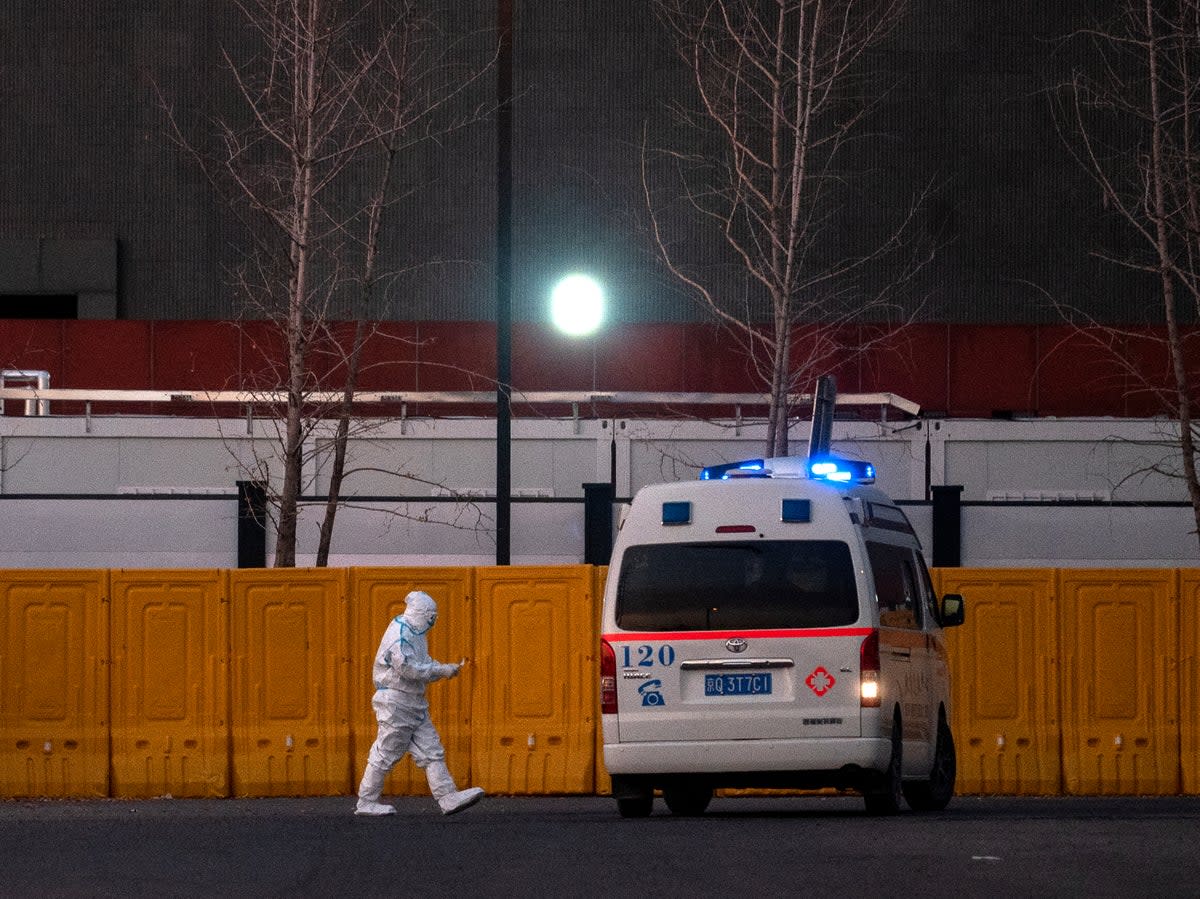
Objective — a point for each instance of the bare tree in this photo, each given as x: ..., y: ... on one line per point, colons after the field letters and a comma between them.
x: 783, y: 87
x: 334, y: 97
x: 401, y: 103
x: 1131, y: 118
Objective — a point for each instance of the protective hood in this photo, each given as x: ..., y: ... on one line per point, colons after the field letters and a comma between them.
x: 420, y: 611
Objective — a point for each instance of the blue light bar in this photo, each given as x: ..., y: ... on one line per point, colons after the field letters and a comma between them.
x: 677, y: 513
x: 841, y: 471
x: 747, y: 468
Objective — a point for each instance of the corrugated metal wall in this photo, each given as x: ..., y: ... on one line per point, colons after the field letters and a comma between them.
x: 949, y: 370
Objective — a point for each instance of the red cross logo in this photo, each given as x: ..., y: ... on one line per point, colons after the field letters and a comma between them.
x: 820, y: 681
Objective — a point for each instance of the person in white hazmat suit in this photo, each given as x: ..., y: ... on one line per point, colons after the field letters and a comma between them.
x: 401, y: 671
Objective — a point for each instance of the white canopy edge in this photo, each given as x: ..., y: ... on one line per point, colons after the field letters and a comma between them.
x: 449, y: 397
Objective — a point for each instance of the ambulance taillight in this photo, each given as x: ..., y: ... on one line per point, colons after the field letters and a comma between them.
x: 608, y: 679
x: 868, y: 671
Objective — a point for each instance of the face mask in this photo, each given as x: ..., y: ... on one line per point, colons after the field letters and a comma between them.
x: 423, y: 620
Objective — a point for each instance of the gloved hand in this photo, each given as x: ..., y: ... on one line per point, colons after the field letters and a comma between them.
x: 448, y: 670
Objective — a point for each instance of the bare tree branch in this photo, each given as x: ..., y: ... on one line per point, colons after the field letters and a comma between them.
x: 1131, y: 126
x: 333, y: 96
x: 781, y: 87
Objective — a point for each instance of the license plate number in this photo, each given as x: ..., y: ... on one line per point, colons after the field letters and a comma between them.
x: 748, y: 684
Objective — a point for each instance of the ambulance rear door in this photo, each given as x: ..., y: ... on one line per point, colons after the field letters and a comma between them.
x: 738, y: 639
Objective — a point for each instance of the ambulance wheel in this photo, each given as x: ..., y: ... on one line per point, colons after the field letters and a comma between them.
x: 935, y: 794
x: 687, y: 799
x: 638, y: 807
x: 885, y: 795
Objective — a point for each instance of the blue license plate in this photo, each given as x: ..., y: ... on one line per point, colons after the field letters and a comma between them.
x: 748, y: 684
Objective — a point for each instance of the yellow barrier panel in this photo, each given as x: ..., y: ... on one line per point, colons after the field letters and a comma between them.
x: 1118, y: 639
x: 603, y: 781
x: 290, y: 713
x: 170, y: 686
x: 1189, y: 679
x: 377, y: 597
x: 1005, y: 681
x: 54, y: 683
x: 535, y: 688
x: 1114, y: 650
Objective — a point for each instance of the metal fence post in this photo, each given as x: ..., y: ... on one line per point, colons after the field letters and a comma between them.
x: 947, y: 526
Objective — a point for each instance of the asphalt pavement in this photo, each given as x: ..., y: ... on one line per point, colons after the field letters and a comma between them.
x: 578, y: 846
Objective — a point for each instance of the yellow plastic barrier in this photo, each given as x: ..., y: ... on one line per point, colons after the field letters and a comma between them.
x: 1118, y: 642
x: 254, y: 683
x: 290, y: 682
x: 535, y: 690
x: 603, y: 781
x: 54, y: 700
x: 377, y: 597
x: 1005, y: 681
x: 1189, y: 679
x: 170, y: 685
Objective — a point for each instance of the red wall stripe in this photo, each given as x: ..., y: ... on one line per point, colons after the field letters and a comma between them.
x: 958, y: 370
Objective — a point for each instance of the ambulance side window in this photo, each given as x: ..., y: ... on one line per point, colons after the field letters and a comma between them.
x: 896, y: 588
x: 928, y: 595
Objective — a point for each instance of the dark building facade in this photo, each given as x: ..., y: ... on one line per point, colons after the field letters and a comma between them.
x: 103, y: 216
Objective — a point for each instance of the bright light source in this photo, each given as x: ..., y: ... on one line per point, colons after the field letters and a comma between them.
x: 749, y: 467
x: 577, y: 305
x: 841, y: 471
x: 870, y: 690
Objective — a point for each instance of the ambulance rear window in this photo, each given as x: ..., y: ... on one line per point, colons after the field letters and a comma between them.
x: 736, y: 585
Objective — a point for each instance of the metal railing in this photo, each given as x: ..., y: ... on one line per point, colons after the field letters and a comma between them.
x: 30, y: 394
x: 39, y: 396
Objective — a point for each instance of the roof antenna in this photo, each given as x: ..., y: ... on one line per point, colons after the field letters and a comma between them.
x: 821, y: 435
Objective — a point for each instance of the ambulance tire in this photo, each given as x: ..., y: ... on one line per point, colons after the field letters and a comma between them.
x: 885, y: 795
x: 935, y: 794
x: 637, y: 807
x: 687, y: 800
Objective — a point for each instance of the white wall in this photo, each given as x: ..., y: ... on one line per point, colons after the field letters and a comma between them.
x: 173, y: 459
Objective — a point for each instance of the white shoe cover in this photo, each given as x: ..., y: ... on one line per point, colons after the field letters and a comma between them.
x: 459, y: 800
x: 368, y: 793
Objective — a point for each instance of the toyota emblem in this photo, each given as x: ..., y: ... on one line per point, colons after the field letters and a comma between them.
x: 736, y: 644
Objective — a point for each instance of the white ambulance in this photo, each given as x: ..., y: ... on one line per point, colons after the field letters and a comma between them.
x: 774, y: 625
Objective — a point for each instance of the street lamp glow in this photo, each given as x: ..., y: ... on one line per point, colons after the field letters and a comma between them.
x: 577, y: 305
